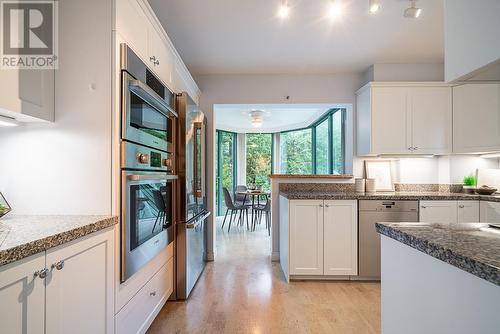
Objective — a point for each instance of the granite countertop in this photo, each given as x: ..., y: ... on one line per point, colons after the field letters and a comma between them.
x: 472, y: 247
x: 387, y: 196
x: 22, y: 236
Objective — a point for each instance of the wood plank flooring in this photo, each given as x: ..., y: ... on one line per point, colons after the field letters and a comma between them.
x: 244, y: 292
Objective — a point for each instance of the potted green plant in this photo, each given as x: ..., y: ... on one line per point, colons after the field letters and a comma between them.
x: 469, y: 184
x: 4, y: 206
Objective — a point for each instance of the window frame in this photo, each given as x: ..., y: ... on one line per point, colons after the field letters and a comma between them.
x: 220, y: 194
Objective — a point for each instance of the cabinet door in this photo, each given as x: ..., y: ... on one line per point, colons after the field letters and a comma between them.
x: 306, y: 237
x: 22, y: 297
x: 390, y: 121
x: 160, y: 57
x: 431, y: 118
x: 444, y: 212
x: 476, y: 118
x: 79, y: 294
x: 132, y: 24
x: 340, y: 238
x: 490, y: 212
x: 468, y: 211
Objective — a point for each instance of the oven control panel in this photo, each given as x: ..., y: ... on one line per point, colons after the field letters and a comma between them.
x: 140, y: 157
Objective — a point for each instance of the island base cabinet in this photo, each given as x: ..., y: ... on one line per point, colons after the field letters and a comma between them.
x: 79, y: 286
x: 22, y: 297
x: 340, y: 235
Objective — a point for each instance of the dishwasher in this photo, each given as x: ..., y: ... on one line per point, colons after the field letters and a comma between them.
x: 370, y: 213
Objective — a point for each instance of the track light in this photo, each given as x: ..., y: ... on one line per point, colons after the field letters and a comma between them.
x: 374, y: 6
x: 412, y: 12
x: 336, y: 9
x: 284, y: 9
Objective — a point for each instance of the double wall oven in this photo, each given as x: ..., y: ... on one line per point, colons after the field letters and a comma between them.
x: 147, y: 164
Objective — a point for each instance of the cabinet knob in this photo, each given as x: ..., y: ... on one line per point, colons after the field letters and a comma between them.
x: 152, y: 294
x: 327, y: 205
x: 461, y: 206
x: 415, y: 148
x: 423, y: 207
x: 59, y: 265
x: 321, y: 205
x: 156, y: 62
x: 41, y: 273
x: 152, y: 58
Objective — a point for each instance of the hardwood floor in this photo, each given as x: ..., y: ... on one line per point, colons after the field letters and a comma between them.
x: 244, y: 292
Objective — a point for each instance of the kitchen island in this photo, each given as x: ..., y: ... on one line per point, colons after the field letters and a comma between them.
x: 440, y: 278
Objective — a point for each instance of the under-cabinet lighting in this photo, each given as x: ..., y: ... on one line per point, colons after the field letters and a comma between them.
x: 7, y: 121
x: 490, y: 155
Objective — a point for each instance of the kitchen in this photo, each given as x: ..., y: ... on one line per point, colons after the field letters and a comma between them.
x: 67, y: 163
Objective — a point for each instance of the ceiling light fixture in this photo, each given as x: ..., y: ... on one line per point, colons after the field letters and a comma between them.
x: 412, y: 12
x: 374, y: 6
x: 336, y: 9
x: 284, y: 9
x: 257, y: 117
x: 7, y: 121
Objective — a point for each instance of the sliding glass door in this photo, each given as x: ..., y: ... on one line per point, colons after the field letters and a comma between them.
x: 225, y: 167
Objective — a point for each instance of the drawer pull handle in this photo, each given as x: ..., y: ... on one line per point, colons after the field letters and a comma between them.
x: 423, y: 207
x: 152, y: 294
x: 461, y: 206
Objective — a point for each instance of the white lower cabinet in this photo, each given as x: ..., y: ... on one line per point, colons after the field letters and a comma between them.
x: 340, y: 238
x: 22, y: 296
x: 79, y: 287
x: 490, y: 212
x: 67, y: 289
x: 322, y: 237
x: 138, y: 314
x: 449, y: 212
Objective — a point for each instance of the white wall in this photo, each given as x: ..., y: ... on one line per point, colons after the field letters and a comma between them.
x: 471, y: 31
x: 65, y: 167
x: 251, y: 89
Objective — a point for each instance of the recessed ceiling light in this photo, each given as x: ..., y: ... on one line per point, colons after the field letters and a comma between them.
x: 284, y: 9
x: 8, y: 121
x: 336, y: 9
x: 412, y: 12
x: 374, y: 6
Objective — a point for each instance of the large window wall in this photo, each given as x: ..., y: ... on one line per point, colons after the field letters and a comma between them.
x: 317, y: 149
x: 259, y: 159
x: 226, y: 167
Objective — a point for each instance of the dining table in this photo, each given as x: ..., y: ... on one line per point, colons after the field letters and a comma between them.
x: 254, y: 194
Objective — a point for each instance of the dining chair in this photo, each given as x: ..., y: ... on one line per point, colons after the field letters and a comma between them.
x: 261, y: 210
x: 240, y: 198
x: 235, y: 208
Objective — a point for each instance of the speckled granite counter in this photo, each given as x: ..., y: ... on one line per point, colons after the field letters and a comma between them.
x: 22, y: 236
x: 470, y: 247
x: 436, y: 196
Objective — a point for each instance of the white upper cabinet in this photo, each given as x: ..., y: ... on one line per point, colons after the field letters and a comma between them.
x: 160, y: 57
x: 476, y: 118
x: 404, y: 119
x: 131, y: 25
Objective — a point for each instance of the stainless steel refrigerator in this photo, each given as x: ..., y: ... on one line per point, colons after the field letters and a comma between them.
x: 192, y: 214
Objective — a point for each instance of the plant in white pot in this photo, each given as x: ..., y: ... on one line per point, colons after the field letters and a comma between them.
x: 469, y: 184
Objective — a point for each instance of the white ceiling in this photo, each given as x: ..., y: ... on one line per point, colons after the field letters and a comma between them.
x: 277, y: 117
x: 246, y: 36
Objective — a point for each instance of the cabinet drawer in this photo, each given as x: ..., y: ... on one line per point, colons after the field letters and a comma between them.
x: 140, y: 311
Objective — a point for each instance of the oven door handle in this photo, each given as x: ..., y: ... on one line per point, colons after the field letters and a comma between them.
x: 150, y: 96
x: 198, y: 221
x: 148, y: 177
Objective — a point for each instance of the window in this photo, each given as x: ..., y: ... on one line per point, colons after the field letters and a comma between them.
x: 322, y: 147
x: 259, y: 159
x: 225, y: 167
x: 296, y: 152
x: 318, y: 149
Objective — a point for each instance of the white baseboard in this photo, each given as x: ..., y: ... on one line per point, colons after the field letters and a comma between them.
x: 275, y: 256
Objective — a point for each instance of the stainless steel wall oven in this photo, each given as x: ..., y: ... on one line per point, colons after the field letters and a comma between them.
x: 147, y: 164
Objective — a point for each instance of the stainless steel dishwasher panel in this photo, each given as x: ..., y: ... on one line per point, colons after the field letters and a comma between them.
x: 370, y: 213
